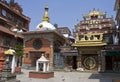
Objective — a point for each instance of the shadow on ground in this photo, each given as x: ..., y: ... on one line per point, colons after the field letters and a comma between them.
x: 106, y: 77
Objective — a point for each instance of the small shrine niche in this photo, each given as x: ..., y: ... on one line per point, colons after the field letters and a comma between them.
x: 42, y: 69
x: 42, y: 64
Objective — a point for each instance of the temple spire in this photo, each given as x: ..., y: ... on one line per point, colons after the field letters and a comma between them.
x: 46, y: 17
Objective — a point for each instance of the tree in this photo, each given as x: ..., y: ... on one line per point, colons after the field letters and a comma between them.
x: 19, y: 53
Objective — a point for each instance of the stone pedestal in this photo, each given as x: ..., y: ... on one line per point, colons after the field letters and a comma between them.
x: 7, y: 76
x: 42, y: 75
x: 18, y: 70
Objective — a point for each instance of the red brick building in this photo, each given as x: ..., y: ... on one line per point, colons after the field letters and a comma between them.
x: 11, y: 19
x: 45, y: 39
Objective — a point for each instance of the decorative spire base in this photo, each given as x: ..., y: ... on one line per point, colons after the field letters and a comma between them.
x: 46, y: 17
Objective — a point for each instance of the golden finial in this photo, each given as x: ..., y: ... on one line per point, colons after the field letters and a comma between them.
x: 94, y: 12
x: 46, y: 17
x: 42, y: 54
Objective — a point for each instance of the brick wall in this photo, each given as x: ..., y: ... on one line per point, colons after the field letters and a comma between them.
x: 29, y: 48
x: 2, y: 61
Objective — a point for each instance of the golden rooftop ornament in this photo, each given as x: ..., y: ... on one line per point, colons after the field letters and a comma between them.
x: 46, y: 17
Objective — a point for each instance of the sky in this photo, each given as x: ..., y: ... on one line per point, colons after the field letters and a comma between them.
x: 65, y: 13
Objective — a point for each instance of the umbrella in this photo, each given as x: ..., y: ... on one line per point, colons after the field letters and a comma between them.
x: 10, y: 52
x: 71, y: 38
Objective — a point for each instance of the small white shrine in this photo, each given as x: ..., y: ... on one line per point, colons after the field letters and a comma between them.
x: 43, y: 64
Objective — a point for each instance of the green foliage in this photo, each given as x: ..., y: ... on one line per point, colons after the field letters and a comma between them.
x: 19, y: 50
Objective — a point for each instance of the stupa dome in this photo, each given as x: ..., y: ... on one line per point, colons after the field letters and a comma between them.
x: 45, y: 24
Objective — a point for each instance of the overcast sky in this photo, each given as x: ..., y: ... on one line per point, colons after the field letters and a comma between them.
x: 65, y: 13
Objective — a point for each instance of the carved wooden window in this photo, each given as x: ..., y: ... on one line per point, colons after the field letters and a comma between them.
x: 37, y: 44
x: 6, y: 41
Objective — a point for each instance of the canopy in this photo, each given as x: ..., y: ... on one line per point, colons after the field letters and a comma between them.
x: 10, y: 52
x: 112, y: 53
x: 42, y: 59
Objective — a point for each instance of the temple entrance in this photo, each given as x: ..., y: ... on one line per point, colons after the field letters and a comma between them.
x: 71, y: 62
x: 34, y: 56
x: 108, y: 60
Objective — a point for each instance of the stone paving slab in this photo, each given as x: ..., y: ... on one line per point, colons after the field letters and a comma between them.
x: 70, y: 77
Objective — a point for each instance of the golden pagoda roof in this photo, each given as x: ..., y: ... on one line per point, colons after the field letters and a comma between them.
x: 89, y: 43
x: 89, y: 39
x: 94, y: 12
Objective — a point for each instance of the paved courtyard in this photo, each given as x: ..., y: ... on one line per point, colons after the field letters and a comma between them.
x: 71, y: 77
